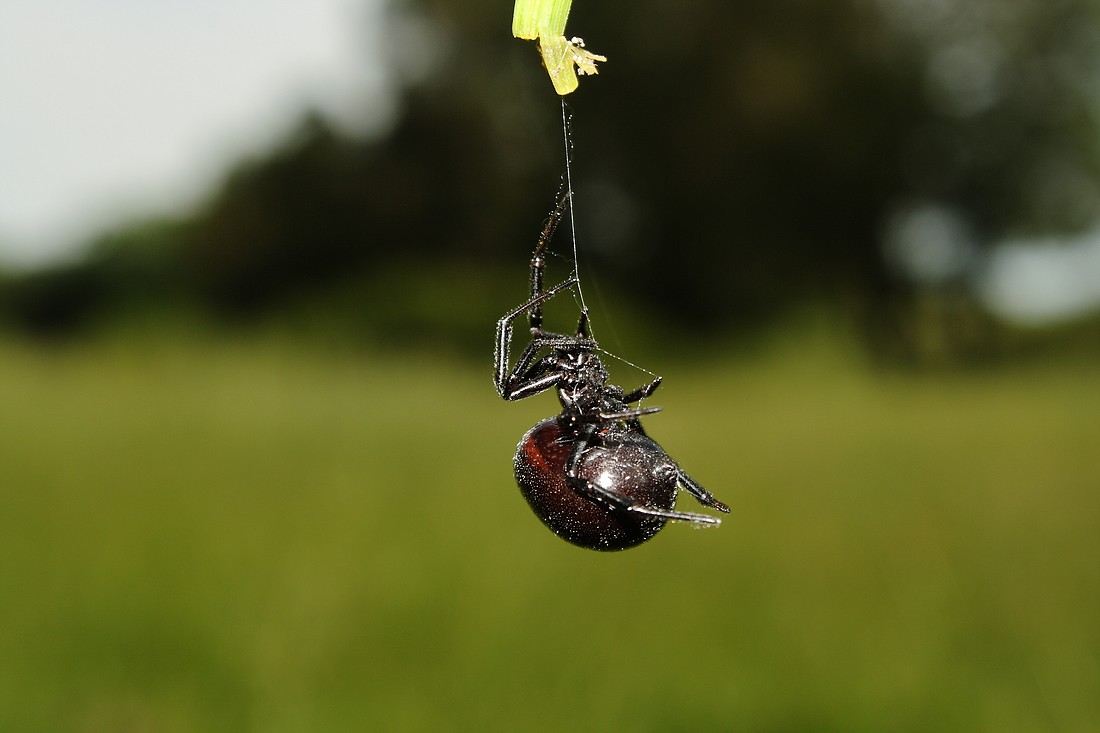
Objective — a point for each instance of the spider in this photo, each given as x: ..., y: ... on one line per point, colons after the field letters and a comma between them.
x: 591, y: 474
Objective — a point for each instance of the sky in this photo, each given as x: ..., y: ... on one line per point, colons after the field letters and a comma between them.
x: 1043, y: 281
x: 115, y: 108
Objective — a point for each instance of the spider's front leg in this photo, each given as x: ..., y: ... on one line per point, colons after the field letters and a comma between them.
x: 508, y: 380
x: 538, y: 259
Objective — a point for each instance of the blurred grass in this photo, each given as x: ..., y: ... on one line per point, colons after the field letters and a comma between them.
x: 246, y: 538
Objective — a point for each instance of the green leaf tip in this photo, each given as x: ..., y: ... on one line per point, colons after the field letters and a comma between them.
x: 563, y: 58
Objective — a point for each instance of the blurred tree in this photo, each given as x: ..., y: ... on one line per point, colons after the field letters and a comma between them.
x: 733, y: 160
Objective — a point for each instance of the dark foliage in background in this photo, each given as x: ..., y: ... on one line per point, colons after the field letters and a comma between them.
x: 733, y: 160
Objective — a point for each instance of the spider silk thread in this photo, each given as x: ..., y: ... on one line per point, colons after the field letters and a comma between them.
x: 567, y: 138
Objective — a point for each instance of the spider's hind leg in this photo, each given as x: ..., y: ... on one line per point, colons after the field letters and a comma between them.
x: 644, y: 391
x: 615, y: 500
x: 618, y: 501
x: 703, y: 496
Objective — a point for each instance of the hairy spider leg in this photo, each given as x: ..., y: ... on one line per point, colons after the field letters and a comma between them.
x: 529, y: 377
x: 613, y: 499
x: 538, y: 260
x: 509, y: 381
x: 629, y: 415
x: 696, y: 489
x: 644, y: 391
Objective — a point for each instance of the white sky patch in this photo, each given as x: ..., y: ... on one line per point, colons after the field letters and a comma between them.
x: 112, y: 108
x: 1040, y: 282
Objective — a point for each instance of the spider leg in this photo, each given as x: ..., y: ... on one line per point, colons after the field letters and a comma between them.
x: 642, y: 392
x: 615, y: 500
x: 526, y: 385
x: 674, y: 515
x: 538, y: 259
x: 528, y: 376
x: 704, y: 497
x: 502, y: 374
x: 629, y: 414
x: 582, y: 324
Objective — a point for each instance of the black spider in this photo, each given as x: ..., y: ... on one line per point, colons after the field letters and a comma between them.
x: 591, y: 474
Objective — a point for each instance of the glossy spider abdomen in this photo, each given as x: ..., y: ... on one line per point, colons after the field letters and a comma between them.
x: 624, y: 461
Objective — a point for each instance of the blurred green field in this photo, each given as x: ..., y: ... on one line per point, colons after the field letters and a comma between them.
x: 215, y: 537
